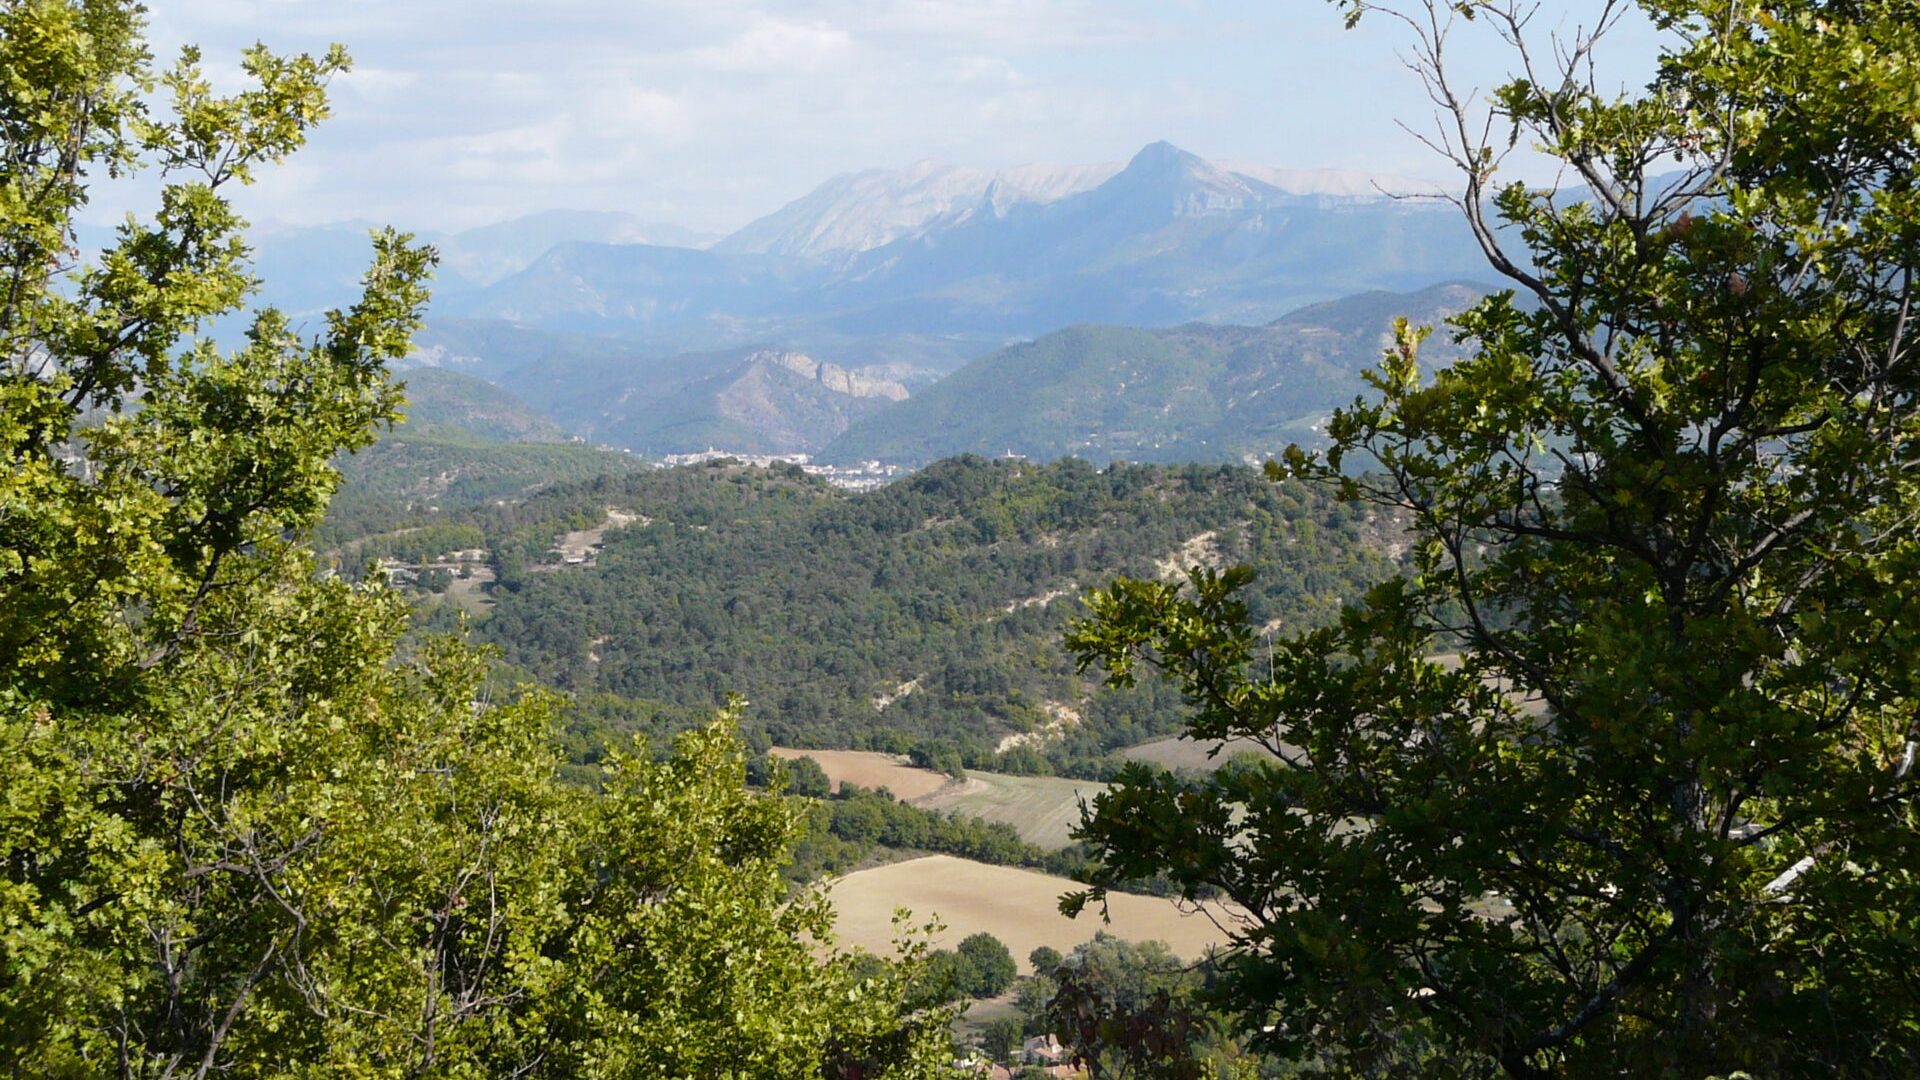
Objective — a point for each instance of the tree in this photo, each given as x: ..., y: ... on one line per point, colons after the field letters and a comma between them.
x: 1660, y: 816
x: 1045, y: 959
x: 242, y: 829
x: 805, y: 777
x: 980, y: 967
x: 950, y: 976
x: 1000, y: 1040
x: 940, y: 756
x: 992, y: 964
x: 1031, y: 996
x: 1130, y: 1011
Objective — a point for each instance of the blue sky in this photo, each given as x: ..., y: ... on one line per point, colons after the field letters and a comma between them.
x: 708, y: 113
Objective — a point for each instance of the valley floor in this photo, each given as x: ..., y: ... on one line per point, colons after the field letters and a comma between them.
x: 1020, y: 907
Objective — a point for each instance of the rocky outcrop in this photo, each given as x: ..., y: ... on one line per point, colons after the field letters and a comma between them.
x: 835, y: 378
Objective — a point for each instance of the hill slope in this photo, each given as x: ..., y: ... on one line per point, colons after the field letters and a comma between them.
x: 753, y: 400
x: 931, y: 609
x: 444, y: 399
x: 1191, y: 393
x: 465, y: 442
x: 761, y: 401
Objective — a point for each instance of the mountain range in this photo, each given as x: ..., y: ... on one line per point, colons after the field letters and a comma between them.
x: 1166, y: 239
x: 950, y: 260
x: 1195, y: 392
x: 1163, y: 309
x: 860, y: 211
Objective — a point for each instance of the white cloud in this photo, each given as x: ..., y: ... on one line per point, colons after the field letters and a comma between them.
x: 988, y: 70
x: 375, y: 86
x: 776, y: 46
x: 709, y: 112
x: 637, y: 111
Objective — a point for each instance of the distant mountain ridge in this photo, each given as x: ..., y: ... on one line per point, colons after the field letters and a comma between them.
x: 451, y: 401
x: 869, y: 252
x: 1189, y: 393
x: 856, y: 212
x: 1169, y: 238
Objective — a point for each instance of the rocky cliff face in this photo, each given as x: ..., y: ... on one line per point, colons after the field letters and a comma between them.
x: 835, y: 378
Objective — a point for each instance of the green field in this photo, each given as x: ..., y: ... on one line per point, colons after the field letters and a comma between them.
x: 1042, y: 808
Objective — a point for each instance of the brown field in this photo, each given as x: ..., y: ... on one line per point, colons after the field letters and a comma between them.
x: 1041, y: 808
x: 1017, y: 906
x: 1180, y: 752
x: 871, y: 770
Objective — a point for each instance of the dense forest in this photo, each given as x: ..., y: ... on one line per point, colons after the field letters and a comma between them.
x: 930, y: 611
x: 415, y: 470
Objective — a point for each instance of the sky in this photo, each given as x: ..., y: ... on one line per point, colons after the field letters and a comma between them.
x: 705, y: 114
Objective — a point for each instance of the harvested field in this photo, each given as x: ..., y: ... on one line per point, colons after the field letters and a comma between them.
x: 1017, y: 906
x: 1041, y: 808
x: 871, y: 770
x: 1180, y: 752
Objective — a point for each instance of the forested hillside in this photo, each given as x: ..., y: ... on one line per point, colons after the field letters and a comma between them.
x: 439, y: 398
x: 929, y: 612
x: 407, y: 476
x: 1191, y: 393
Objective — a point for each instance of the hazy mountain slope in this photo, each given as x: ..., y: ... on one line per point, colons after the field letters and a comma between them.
x: 752, y: 400
x: 858, y: 211
x: 760, y: 401
x: 1171, y: 238
x: 1194, y: 392
x: 1334, y: 183
x: 486, y: 254
x: 636, y: 288
x: 441, y: 398
x: 1168, y: 239
x: 855, y: 212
